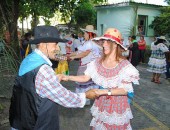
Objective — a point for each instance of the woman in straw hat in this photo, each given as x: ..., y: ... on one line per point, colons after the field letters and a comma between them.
x: 115, y: 75
x: 86, y: 53
x: 157, y: 60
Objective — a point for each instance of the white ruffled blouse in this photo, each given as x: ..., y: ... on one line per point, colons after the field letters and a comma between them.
x: 121, y: 76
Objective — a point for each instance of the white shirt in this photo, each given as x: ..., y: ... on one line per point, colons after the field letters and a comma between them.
x: 96, y: 51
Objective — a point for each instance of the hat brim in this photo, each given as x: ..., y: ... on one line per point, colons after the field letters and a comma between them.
x: 48, y: 39
x: 105, y: 38
x: 161, y: 38
x: 85, y: 30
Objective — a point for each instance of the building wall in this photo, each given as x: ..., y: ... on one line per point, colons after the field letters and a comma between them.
x: 151, y: 13
x: 120, y: 18
x: 123, y: 18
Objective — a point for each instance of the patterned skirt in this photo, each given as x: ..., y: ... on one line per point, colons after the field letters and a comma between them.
x: 157, y: 65
x: 111, y: 113
x: 83, y: 87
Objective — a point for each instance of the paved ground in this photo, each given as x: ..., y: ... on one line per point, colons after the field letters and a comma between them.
x: 151, y: 106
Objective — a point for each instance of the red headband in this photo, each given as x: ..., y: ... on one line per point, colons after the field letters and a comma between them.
x: 112, y: 37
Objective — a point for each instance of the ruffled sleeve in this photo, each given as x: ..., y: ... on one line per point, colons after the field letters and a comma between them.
x: 128, y: 76
x: 163, y: 47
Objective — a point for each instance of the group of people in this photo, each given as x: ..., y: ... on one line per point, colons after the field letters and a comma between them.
x: 159, y: 60
x: 104, y: 75
x: 136, y: 50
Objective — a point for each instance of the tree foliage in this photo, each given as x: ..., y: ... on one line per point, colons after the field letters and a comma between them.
x: 168, y: 1
x: 68, y: 9
x: 161, y: 24
x: 11, y: 10
x: 85, y: 14
x: 36, y: 8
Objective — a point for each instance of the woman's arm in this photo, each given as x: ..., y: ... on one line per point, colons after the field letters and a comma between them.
x: 112, y: 92
x: 73, y: 54
x: 81, y: 78
x: 80, y: 55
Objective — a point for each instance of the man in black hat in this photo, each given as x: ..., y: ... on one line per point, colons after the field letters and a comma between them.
x: 37, y: 91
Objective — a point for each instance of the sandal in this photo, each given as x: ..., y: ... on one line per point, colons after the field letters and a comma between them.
x: 157, y: 81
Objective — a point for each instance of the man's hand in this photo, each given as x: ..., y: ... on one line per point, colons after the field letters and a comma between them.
x: 72, y: 58
x: 92, y: 94
x: 62, y: 77
x: 68, y: 58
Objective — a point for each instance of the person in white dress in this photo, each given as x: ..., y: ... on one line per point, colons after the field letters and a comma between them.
x: 86, y: 53
x: 157, y: 60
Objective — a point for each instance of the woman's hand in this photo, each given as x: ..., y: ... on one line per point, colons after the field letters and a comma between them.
x: 100, y: 92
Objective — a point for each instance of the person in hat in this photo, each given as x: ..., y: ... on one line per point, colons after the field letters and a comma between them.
x: 37, y: 90
x: 157, y: 60
x: 86, y: 53
x: 115, y: 75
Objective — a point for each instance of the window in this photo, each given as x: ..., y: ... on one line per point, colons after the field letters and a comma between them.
x: 142, y: 25
x: 101, y: 25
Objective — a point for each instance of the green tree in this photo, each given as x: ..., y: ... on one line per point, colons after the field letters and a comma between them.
x: 69, y: 7
x: 85, y: 14
x: 168, y: 1
x: 161, y: 24
x: 11, y: 10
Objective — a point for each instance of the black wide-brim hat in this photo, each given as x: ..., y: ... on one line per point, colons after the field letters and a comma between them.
x: 46, y: 34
